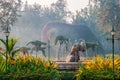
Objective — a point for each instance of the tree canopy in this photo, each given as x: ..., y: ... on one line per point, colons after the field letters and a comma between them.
x: 8, y: 12
x: 108, y: 12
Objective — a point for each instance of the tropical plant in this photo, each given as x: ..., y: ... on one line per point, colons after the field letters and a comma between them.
x: 11, y: 51
x: 29, y: 68
x: 2, y: 64
x: 103, y: 63
x: 99, y: 68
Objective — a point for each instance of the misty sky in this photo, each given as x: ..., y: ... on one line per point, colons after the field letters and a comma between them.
x: 73, y: 5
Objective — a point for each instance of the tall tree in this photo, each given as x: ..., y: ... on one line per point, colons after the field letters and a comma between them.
x: 32, y: 15
x: 8, y: 12
x: 86, y: 17
x: 37, y: 15
x: 107, y: 15
x: 108, y: 12
x: 60, y: 11
x: 79, y: 18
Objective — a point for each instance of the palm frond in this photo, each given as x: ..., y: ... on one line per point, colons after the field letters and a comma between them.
x: 11, y: 43
x: 14, y: 52
x: 2, y: 66
x: 3, y: 41
x: 3, y: 54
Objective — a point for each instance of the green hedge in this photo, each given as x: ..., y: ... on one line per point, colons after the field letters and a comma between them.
x: 97, y: 75
x: 70, y: 75
x: 85, y: 75
x: 30, y: 76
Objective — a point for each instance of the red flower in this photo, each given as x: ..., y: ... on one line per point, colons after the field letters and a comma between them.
x: 24, y: 52
x: 0, y: 48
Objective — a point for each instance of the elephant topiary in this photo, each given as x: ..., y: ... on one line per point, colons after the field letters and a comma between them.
x: 73, y: 32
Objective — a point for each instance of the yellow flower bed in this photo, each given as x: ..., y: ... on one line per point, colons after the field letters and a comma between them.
x: 100, y: 62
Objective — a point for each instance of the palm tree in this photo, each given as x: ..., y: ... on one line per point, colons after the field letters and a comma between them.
x: 37, y: 46
x: 62, y: 40
x: 11, y: 47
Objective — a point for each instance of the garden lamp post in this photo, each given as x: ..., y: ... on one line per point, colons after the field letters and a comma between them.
x: 113, y: 40
x: 7, y: 35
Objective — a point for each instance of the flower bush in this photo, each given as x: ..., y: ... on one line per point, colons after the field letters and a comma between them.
x: 99, y: 68
x: 29, y: 68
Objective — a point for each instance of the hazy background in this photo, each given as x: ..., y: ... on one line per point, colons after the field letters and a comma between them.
x: 34, y: 14
x: 27, y: 28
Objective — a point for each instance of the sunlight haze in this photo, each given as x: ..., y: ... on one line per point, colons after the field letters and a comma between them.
x: 24, y: 32
x: 73, y: 5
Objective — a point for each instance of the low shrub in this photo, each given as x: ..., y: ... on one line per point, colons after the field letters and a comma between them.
x: 70, y: 75
x: 88, y: 74
x: 99, y: 68
x: 30, y: 76
x: 29, y: 68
